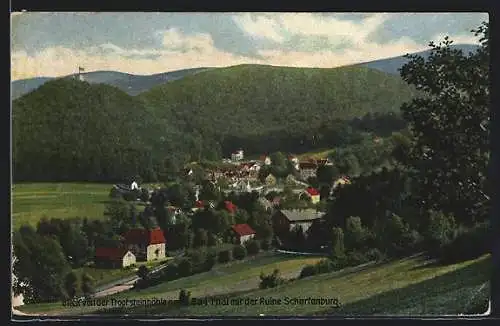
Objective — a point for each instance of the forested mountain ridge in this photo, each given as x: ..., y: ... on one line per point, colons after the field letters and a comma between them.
x: 73, y: 130
x: 269, y: 104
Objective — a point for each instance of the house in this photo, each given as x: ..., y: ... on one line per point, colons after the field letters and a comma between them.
x: 241, y: 233
x: 237, y: 156
x: 145, y: 244
x: 295, y: 161
x: 266, y: 204
x: 114, y: 257
x: 286, y: 220
x: 266, y: 160
x: 134, y: 186
x: 270, y: 180
x: 340, y: 182
x: 307, y: 170
x: 313, y: 194
x: 198, y: 205
x: 324, y: 161
x: 230, y: 207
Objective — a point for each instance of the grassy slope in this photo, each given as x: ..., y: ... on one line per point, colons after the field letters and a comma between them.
x: 406, y: 287
x: 266, y: 96
x: 235, y: 276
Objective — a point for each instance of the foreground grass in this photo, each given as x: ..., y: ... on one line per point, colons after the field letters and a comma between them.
x: 405, y: 287
x: 32, y: 201
x: 227, y: 278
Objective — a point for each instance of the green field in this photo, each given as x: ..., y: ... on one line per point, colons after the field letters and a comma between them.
x: 406, y: 287
x: 32, y: 201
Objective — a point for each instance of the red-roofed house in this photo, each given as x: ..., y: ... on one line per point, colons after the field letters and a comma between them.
x: 241, y: 233
x: 313, y: 194
x: 114, y: 257
x: 146, y: 244
x: 230, y: 207
x: 198, y: 205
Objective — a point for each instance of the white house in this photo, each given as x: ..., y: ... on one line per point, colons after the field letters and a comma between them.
x: 146, y: 244
x: 241, y: 233
x: 134, y: 186
x: 237, y: 156
x: 114, y: 257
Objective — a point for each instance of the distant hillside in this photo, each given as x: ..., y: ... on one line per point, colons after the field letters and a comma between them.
x: 248, y: 103
x: 131, y: 84
x: 391, y: 65
x: 68, y: 130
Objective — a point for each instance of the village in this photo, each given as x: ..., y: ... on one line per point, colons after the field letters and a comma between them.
x: 239, y: 176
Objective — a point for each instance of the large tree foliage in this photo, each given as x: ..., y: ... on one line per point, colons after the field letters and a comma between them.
x: 449, y: 127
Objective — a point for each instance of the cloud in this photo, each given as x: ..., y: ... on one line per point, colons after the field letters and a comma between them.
x: 179, y: 51
x: 284, y: 39
x: 280, y: 27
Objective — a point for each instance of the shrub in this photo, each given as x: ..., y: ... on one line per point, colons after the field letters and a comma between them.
x: 253, y: 247
x: 324, y: 266
x: 170, y: 272
x: 272, y: 280
x: 198, y: 258
x: 265, y: 244
x: 374, y: 255
x: 184, y: 297
x: 467, y: 244
x: 185, y: 267
x: 239, y: 252
x: 210, y: 262
x: 225, y: 256
x: 308, y: 270
x: 355, y: 258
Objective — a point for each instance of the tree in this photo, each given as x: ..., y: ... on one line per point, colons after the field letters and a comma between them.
x: 449, y: 128
x: 338, y: 250
x: 87, y: 284
x: 41, y: 264
x: 71, y: 284
x: 355, y: 233
x: 143, y: 272
x: 239, y: 252
x: 253, y: 247
x: 200, y: 238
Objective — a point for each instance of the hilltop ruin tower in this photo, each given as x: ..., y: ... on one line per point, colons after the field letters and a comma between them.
x: 79, y: 75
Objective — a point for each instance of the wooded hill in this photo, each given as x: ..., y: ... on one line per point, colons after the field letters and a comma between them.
x: 72, y: 130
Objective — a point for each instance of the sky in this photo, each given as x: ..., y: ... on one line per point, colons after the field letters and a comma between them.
x: 56, y: 44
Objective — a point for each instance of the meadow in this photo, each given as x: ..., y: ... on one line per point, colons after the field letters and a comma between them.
x: 32, y: 201
x: 407, y: 287
x: 411, y: 286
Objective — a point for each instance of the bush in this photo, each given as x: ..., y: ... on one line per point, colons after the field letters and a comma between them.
x: 271, y: 281
x: 467, y: 244
x: 324, y: 266
x: 355, y: 258
x: 253, y: 247
x: 225, y: 256
x: 308, y: 270
x: 198, y: 258
x: 374, y: 255
x: 184, y: 297
x: 265, y: 244
x: 185, y: 267
x: 239, y: 252
x: 115, y: 194
x: 170, y: 272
